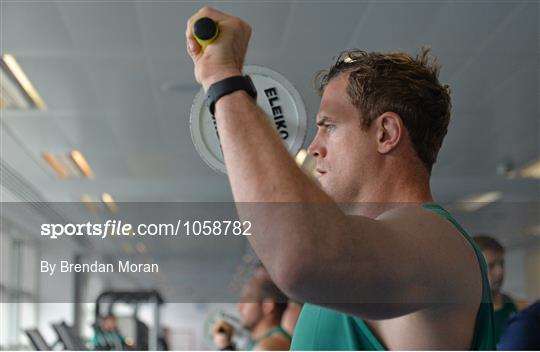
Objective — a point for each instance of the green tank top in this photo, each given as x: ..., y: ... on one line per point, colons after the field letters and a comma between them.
x: 502, y: 315
x: 319, y: 328
x: 277, y: 330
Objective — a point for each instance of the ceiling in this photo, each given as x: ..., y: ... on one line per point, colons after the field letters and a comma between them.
x: 100, y: 67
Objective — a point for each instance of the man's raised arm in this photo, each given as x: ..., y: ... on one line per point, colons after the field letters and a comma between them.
x: 312, y: 250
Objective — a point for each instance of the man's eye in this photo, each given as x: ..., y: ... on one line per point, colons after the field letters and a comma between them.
x: 329, y: 127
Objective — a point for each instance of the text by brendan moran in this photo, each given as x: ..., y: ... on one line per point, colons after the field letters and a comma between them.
x: 122, y: 266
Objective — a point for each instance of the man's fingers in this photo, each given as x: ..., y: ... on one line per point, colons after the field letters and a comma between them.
x: 193, y: 47
x: 205, y: 12
x: 222, y: 327
x: 217, y: 327
x: 212, y: 13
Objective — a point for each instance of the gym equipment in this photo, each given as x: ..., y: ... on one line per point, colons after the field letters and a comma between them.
x: 145, y: 338
x: 278, y: 98
x: 68, y: 337
x: 37, y: 340
x: 205, y: 31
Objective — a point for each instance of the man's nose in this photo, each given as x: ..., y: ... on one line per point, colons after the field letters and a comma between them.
x: 316, y: 149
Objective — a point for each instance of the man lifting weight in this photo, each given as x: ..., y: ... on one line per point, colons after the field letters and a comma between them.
x: 261, y: 310
x: 397, y: 272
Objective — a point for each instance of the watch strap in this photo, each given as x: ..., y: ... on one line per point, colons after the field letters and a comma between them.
x: 228, y: 86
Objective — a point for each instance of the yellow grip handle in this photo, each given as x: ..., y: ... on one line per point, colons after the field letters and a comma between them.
x: 205, y: 31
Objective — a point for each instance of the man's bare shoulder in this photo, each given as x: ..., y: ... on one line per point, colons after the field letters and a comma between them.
x: 441, y: 243
x: 406, y: 260
x: 413, y: 214
x: 422, y: 223
x: 454, y: 269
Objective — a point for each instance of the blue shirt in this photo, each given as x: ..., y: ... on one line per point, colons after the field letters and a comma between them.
x: 523, y: 330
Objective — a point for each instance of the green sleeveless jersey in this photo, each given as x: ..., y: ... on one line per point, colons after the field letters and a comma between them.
x: 276, y: 330
x: 320, y: 328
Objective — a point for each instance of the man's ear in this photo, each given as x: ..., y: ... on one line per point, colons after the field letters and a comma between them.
x: 268, y: 306
x: 389, y: 131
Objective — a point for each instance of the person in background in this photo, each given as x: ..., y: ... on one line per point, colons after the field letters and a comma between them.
x: 523, y: 330
x: 261, y: 310
x: 107, y: 336
x: 504, y: 306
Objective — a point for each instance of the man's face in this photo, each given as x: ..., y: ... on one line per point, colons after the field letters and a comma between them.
x: 495, y: 262
x: 250, y: 314
x: 249, y: 308
x: 344, y: 151
x: 108, y: 324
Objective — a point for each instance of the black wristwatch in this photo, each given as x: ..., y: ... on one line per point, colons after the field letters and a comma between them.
x: 228, y: 86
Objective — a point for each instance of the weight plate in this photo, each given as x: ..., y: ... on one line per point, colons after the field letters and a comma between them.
x: 278, y: 98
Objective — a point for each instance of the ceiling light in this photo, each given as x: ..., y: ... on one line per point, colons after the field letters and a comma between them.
x: 109, y: 202
x: 307, y: 163
x: 475, y: 202
x: 55, y: 164
x: 81, y: 163
x: 16, y: 90
x: 3, y: 101
x: 300, y: 157
x: 90, y: 202
x: 531, y: 170
x: 69, y: 165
